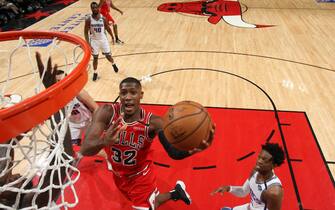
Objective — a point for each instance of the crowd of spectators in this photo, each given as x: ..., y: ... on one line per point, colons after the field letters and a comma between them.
x: 14, y: 9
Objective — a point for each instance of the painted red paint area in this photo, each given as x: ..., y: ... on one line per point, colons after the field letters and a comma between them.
x: 229, y: 160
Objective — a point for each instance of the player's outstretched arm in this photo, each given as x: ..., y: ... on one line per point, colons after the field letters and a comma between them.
x: 86, y: 99
x: 221, y: 190
x: 156, y: 128
x: 239, y: 191
x: 115, y: 8
x: 156, y: 125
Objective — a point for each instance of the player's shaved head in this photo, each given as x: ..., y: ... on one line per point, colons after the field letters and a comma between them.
x: 131, y: 80
x: 94, y: 4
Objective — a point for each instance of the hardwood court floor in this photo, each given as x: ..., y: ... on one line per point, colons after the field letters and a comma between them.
x: 292, y: 62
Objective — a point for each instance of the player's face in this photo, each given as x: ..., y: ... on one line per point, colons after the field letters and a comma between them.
x: 264, y: 162
x: 130, y: 97
x: 95, y: 9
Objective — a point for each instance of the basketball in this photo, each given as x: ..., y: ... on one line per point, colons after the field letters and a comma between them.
x: 186, y: 124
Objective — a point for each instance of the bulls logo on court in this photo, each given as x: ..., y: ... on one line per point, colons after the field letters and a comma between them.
x: 229, y: 11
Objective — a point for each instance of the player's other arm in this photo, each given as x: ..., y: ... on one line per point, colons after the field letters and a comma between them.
x: 239, y: 191
x: 86, y: 99
x: 156, y: 128
x: 115, y: 8
x: 94, y: 140
x: 273, y: 197
x: 87, y: 28
x: 108, y: 29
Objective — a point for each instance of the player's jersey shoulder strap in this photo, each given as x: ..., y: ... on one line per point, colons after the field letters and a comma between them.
x: 146, y: 116
x: 274, y: 180
x: 116, y: 112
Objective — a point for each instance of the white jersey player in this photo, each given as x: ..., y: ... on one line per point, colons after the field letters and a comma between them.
x: 95, y: 34
x: 81, y: 114
x: 264, y: 187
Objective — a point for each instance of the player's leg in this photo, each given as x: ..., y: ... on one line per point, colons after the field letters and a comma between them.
x: 111, y: 60
x: 95, y: 53
x: 113, y: 23
x: 109, y: 19
x: 107, y: 52
x: 95, y: 66
x: 144, y: 193
x: 178, y: 193
x: 117, y: 39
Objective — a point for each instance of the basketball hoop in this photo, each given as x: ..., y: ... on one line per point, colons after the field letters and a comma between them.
x: 42, y: 120
x: 13, y: 119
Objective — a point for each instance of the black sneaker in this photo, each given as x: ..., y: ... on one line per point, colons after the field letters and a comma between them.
x: 118, y: 41
x: 95, y: 76
x: 116, y: 69
x: 179, y: 193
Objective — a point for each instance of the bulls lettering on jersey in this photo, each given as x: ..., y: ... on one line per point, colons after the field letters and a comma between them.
x: 133, y: 150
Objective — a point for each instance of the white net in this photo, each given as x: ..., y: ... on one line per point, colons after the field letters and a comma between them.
x: 37, y: 167
x: 41, y: 160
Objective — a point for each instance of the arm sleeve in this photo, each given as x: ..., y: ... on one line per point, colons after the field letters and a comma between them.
x: 172, y: 152
x: 240, y: 191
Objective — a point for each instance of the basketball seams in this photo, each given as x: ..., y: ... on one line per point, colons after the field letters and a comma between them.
x: 189, y: 115
x: 184, y: 125
x: 191, y: 133
x: 180, y: 118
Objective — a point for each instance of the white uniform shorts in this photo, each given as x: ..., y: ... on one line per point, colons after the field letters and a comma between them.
x: 102, y: 44
x: 246, y: 206
x: 78, y: 129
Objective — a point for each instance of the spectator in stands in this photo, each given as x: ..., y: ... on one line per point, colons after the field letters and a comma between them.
x: 5, y: 5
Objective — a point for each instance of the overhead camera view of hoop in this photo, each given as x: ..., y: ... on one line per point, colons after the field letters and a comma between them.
x: 156, y: 104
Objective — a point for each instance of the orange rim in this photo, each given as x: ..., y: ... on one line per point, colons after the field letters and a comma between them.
x: 30, y: 112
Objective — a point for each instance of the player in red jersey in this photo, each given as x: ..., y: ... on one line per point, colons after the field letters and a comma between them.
x: 126, y: 131
x: 105, y: 6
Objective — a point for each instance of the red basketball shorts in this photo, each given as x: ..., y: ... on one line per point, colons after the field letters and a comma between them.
x: 108, y: 17
x: 140, y: 189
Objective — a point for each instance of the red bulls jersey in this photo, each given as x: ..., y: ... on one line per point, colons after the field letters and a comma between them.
x: 132, y: 153
x: 105, y: 7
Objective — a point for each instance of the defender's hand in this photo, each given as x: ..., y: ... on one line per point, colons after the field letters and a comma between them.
x: 49, y: 74
x: 221, y: 190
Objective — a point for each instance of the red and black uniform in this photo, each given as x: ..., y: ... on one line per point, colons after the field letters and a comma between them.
x: 131, y: 159
x: 105, y: 10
